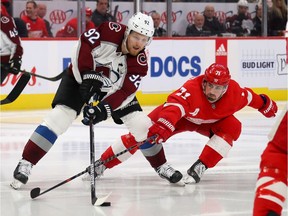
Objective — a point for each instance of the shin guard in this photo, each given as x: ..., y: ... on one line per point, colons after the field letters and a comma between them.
x: 39, y: 144
x: 120, y: 145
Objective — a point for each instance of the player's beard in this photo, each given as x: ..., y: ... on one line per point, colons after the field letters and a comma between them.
x: 211, y: 98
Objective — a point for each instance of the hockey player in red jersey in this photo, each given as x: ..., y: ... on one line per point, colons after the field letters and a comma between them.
x: 11, y: 49
x: 70, y: 29
x: 271, y: 186
x: 108, y: 64
x: 205, y: 104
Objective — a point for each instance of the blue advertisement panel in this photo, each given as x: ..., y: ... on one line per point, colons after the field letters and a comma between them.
x: 172, y: 62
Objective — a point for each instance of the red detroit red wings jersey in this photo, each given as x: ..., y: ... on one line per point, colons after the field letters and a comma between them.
x: 190, y: 102
x: 36, y: 28
x: 10, y: 41
x: 100, y: 50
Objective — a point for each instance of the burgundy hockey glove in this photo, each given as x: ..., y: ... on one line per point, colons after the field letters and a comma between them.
x: 91, y: 84
x: 97, y: 113
x: 269, y: 108
x: 163, y: 129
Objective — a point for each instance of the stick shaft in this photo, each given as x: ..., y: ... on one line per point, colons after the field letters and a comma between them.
x: 97, y: 163
x: 56, y: 78
x: 92, y: 166
x: 63, y: 182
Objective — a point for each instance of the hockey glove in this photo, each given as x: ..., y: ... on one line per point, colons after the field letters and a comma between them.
x: 91, y: 84
x: 269, y: 108
x: 163, y: 129
x: 15, y: 65
x: 96, y: 113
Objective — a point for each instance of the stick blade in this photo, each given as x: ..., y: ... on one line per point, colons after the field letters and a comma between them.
x: 35, y: 192
x: 101, y: 201
x: 16, y: 91
x: 106, y: 204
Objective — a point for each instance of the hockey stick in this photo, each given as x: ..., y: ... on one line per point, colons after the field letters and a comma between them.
x: 56, y: 78
x: 115, y: 12
x: 99, y: 163
x: 94, y: 200
x: 35, y: 192
x: 92, y: 159
x: 16, y: 91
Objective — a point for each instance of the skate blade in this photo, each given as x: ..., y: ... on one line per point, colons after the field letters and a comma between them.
x: 180, y: 183
x: 16, y: 184
x: 189, y: 180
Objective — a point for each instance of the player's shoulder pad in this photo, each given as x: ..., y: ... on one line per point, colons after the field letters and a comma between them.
x: 5, y: 19
x: 138, y: 64
x: 112, y: 31
x: 234, y: 84
x: 138, y: 61
x: 234, y: 88
x: 108, y: 28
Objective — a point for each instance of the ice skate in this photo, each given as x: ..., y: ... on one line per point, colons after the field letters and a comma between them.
x: 165, y: 171
x: 21, y: 173
x: 195, y: 172
x: 99, y: 171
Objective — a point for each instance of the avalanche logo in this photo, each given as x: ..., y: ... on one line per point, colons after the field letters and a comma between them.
x: 141, y: 59
x: 114, y: 26
x: 4, y: 19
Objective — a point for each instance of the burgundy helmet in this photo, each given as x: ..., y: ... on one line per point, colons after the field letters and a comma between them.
x: 217, y: 74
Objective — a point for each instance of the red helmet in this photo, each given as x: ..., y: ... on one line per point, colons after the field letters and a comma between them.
x: 217, y: 74
x: 88, y: 11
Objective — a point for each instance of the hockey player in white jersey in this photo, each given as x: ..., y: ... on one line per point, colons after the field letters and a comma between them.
x: 109, y: 62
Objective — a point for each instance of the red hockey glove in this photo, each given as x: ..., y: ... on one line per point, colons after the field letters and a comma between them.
x: 162, y: 129
x: 269, y: 108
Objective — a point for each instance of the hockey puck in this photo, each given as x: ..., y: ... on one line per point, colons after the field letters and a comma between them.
x: 106, y: 204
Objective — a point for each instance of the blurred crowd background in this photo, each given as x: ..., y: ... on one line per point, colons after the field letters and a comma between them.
x: 177, y: 18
